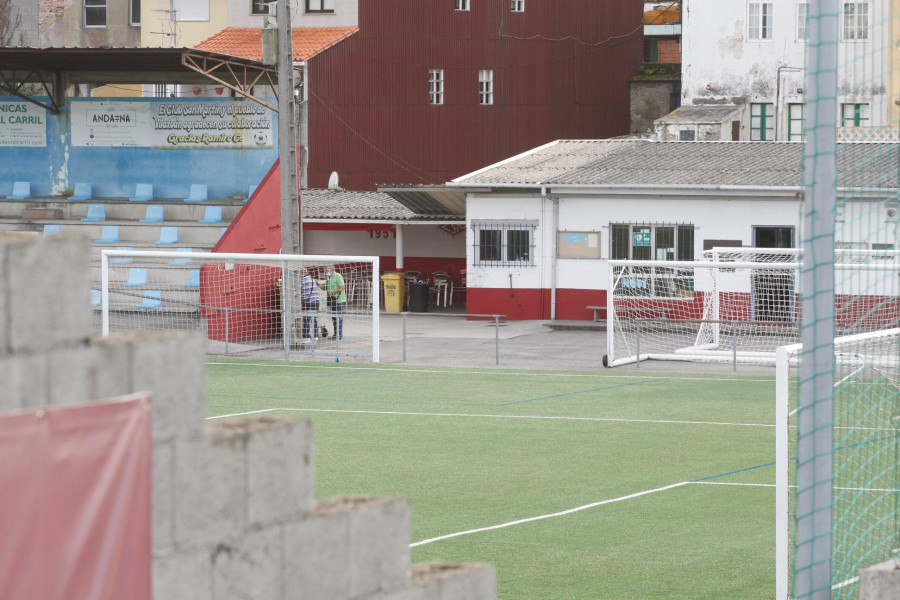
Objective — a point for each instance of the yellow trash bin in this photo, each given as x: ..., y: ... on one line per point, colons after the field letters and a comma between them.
x: 394, y: 291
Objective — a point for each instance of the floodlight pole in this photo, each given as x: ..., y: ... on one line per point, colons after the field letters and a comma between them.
x: 287, y: 136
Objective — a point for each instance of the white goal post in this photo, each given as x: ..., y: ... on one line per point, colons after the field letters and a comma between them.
x: 734, y: 305
x: 251, y: 305
x: 865, y: 476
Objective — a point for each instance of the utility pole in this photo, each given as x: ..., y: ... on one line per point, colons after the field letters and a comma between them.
x: 287, y: 137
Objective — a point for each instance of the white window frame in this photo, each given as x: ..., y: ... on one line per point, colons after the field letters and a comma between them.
x: 486, y: 87
x: 517, y: 6
x: 462, y: 5
x: 759, y: 21
x: 190, y: 10
x: 762, y: 122
x: 501, y: 243
x: 259, y: 7
x: 134, y: 13
x: 320, y: 6
x: 97, y: 7
x: 436, y: 86
x: 802, y: 21
x: 855, y: 20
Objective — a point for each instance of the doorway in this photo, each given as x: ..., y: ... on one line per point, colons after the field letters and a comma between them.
x: 773, y: 291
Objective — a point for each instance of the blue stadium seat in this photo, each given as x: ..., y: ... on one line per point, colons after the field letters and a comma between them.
x: 137, y: 277
x: 198, y: 193
x: 96, y: 297
x: 95, y: 213
x: 108, y: 235
x: 122, y: 260
x: 155, y: 214
x: 21, y: 191
x: 50, y: 229
x: 143, y: 193
x: 167, y: 236
x: 193, y: 280
x: 82, y: 192
x: 152, y: 299
x: 180, y: 262
x: 213, y: 214
x: 222, y: 231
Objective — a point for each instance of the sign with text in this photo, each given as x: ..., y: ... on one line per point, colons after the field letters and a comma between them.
x: 22, y: 124
x: 173, y: 123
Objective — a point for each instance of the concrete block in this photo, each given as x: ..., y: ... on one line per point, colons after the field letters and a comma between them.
x: 881, y: 582
x: 210, y: 492
x: 250, y: 568
x: 379, y: 546
x: 69, y: 374
x: 172, y: 365
x: 23, y: 382
x: 163, y: 496
x: 48, y: 299
x: 110, y: 373
x: 442, y: 581
x: 317, y: 554
x: 280, y: 476
x: 183, y: 575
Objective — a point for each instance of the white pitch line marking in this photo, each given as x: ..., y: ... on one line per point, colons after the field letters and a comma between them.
x: 489, y: 416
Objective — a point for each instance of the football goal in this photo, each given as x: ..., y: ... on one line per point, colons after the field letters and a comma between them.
x: 866, y: 449
x: 251, y: 305
x: 736, y: 304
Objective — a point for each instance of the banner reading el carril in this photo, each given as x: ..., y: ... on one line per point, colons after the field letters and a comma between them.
x: 172, y: 123
x: 22, y: 124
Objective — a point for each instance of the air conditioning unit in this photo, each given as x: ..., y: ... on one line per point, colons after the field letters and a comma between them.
x: 890, y: 214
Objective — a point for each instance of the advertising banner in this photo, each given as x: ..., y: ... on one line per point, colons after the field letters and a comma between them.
x: 75, y: 512
x: 167, y: 123
x: 22, y: 124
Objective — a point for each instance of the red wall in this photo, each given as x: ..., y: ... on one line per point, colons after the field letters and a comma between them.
x: 561, y: 71
x: 521, y: 304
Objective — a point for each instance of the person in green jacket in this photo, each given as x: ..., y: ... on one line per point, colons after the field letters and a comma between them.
x: 336, y: 299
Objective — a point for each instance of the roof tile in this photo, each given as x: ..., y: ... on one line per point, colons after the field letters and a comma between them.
x: 247, y: 42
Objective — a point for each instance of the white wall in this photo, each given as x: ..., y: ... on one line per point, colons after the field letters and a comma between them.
x: 717, y: 53
x: 418, y: 240
x: 346, y: 14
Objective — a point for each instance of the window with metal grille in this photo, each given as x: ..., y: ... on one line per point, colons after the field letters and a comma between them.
x: 855, y: 25
x: 95, y: 13
x: 462, y: 4
x: 259, y: 7
x: 504, y: 243
x: 517, y: 5
x: 320, y: 6
x: 436, y: 86
x: 759, y: 21
x: 486, y: 86
x: 762, y: 122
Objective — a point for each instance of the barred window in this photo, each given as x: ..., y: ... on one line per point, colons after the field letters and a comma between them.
x: 504, y: 243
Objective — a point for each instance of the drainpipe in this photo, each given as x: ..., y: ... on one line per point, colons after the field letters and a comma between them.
x: 777, y: 115
x: 398, y: 246
x: 554, y: 222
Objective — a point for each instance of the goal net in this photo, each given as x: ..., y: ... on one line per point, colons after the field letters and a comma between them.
x: 736, y: 304
x: 866, y: 451
x: 249, y: 305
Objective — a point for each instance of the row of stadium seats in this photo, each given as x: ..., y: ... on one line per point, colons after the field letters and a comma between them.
x: 143, y: 192
x: 168, y: 236
x: 155, y: 214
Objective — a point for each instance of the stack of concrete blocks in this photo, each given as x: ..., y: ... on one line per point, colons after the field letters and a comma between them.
x: 233, y: 509
x: 881, y: 582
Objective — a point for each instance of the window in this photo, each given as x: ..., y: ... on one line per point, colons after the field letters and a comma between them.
x: 191, y: 10
x: 640, y: 241
x: 320, y: 6
x: 486, y: 86
x: 517, y: 5
x: 802, y: 26
x: 259, y: 7
x: 651, y: 51
x: 134, y: 13
x: 762, y: 123
x: 854, y: 115
x: 436, y: 86
x: 759, y: 21
x: 795, y: 122
x: 462, y: 4
x: 504, y: 243
x: 95, y: 13
x: 855, y: 25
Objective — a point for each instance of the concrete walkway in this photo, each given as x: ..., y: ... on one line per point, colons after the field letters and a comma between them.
x: 451, y: 340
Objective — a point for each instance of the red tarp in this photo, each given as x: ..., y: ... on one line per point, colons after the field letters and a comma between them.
x: 75, y: 502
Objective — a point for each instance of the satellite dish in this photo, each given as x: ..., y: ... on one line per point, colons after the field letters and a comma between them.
x: 333, y: 181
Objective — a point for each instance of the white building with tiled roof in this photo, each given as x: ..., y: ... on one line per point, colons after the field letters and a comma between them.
x: 543, y: 225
